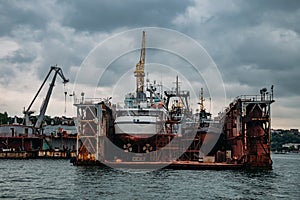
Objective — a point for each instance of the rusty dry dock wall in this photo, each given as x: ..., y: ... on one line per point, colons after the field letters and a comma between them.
x: 247, y: 130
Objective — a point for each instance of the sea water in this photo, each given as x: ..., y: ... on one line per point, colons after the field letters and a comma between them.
x: 59, y: 179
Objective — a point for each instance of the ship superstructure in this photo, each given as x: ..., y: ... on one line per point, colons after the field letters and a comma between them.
x: 142, y: 115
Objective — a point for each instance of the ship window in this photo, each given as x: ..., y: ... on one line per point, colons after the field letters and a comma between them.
x: 138, y: 113
x: 96, y: 112
x: 12, y: 132
x: 143, y: 112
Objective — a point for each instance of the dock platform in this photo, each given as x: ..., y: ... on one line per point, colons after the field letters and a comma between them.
x: 176, y: 165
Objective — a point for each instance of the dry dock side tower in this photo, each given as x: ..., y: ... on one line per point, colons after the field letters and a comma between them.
x: 247, y: 130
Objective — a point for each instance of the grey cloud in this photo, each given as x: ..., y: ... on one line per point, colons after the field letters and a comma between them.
x: 6, y: 73
x: 12, y: 15
x: 269, y: 5
x: 107, y: 15
x: 20, y: 56
x: 254, y: 43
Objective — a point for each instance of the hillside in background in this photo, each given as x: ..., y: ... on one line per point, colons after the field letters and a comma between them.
x: 5, y: 119
x: 281, y: 140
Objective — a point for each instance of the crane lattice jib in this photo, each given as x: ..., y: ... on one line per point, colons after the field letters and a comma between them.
x: 139, y: 72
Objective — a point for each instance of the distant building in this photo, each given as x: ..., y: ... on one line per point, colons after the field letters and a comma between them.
x: 294, y: 130
x: 296, y: 146
x: 278, y: 131
x: 15, y: 130
x: 59, y: 129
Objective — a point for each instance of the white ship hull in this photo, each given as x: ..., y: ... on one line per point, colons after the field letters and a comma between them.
x: 140, y: 124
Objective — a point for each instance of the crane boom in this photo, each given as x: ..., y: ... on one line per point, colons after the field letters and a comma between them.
x: 139, y: 72
x: 58, y: 71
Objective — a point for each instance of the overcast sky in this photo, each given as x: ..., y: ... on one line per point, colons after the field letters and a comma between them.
x: 254, y: 44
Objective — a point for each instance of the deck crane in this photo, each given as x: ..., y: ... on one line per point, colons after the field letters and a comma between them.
x: 44, y: 106
x: 139, y: 72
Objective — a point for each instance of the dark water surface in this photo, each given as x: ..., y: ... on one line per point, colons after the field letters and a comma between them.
x: 59, y: 179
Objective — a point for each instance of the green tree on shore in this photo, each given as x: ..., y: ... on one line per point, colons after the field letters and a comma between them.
x: 4, y: 119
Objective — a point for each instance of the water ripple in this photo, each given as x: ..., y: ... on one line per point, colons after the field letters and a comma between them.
x: 58, y: 179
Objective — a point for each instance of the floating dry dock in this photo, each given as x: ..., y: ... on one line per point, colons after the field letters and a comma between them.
x: 26, y: 146
x: 28, y: 140
x: 159, y: 130
x: 244, y: 140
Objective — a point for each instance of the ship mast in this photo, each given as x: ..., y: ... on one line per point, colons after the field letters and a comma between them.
x: 139, y: 72
x: 201, y: 101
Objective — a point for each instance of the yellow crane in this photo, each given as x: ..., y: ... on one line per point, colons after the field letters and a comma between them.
x: 139, y: 72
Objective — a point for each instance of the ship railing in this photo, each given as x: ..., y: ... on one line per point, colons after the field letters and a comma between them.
x: 180, y: 93
x: 90, y: 100
x: 263, y: 97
